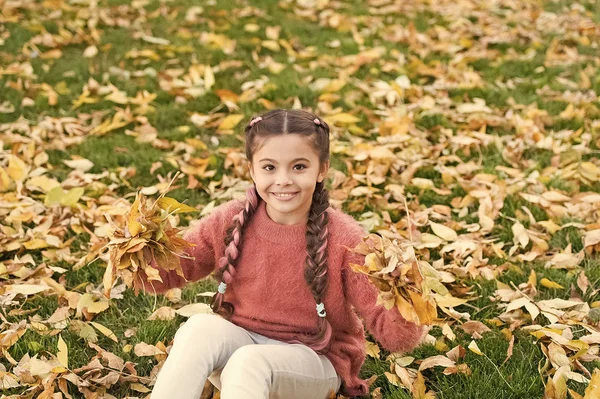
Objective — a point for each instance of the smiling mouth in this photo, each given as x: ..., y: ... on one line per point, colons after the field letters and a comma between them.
x: 284, y: 195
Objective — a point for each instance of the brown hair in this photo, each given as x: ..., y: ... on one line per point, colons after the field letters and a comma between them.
x: 277, y: 122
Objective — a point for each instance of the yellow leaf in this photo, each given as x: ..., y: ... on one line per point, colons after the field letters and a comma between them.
x: 4, y: 180
x: 209, y: 77
x: 90, y: 51
x: 448, y: 333
x: 118, y: 97
x: 406, y: 309
x: 63, y: 353
x: 558, y: 355
x: 172, y: 205
x: 593, y: 389
x: 230, y: 121
x: 87, y: 301
x: 550, y: 284
x: 419, y: 391
x: 133, y: 225
x: 392, y: 378
x: 443, y: 231
x: 8, y: 380
x: 17, y: 169
x: 84, y: 330
x: 136, y: 386
x: 52, y: 54
x: 574, y: 395
x: 425, y: 309
x: 372, y: 262
x: 532, y: 280
x: 251, y: 28
x: 589, y: 171
x: 342, y: 119
x: 404, y: 361
x: 448, y: 301
x: 520, y: 233
x: 372, y: 349
x: 43, y: 182
x: 57, y: 196
x: 26, y: 289
x: 104, y: 330
x: 81, y: 164
x: 438, y: 360
x: 144, y: 349
x: 556, y: 388
x: 36, y: 243
x: 475, y: 349
x: 271, y: 45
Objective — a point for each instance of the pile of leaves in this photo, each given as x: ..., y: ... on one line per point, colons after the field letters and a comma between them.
x: 402, y: 279
x: 147, y: 235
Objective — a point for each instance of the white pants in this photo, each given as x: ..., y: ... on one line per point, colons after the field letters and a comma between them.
x: 242, y: 364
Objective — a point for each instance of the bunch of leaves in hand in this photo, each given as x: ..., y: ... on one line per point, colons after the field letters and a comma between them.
x: 402, y: 280
x: 146, y: 236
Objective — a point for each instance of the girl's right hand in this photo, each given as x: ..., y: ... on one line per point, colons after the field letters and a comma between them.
x: 141, y: 281
x: 169, y: 279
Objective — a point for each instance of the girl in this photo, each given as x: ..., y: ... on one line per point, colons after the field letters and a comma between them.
x: 287, y: 293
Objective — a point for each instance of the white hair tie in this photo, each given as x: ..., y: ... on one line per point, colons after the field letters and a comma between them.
x: 222, y: 287
x: 321, y: 310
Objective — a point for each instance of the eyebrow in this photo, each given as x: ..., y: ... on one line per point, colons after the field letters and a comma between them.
x: 293, y: 160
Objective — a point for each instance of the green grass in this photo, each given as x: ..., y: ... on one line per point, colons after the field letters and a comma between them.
x: 511, y: 82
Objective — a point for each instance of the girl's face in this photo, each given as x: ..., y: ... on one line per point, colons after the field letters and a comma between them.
x: 285, y: 170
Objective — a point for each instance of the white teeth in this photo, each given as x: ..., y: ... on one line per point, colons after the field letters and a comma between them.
x: 284, y: 195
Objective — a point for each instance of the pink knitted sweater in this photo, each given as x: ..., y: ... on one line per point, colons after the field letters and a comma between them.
x: 271, y: 297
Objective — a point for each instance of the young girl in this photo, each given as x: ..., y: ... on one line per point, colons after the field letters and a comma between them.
x: 287, y: 293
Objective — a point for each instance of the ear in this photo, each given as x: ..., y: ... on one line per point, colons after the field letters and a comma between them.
x: 323, y: 172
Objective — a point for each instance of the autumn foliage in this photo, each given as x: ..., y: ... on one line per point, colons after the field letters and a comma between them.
x: 147, y: 235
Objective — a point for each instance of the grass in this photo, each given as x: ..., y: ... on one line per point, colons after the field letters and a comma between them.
x: 116, y: 150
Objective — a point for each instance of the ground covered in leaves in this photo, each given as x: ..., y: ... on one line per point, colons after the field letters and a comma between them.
x: 479, y: 120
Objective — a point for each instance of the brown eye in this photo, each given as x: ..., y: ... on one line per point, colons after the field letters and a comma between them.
x: 300, y: 166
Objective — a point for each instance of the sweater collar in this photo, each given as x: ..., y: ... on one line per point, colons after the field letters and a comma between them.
x: 275, y: 232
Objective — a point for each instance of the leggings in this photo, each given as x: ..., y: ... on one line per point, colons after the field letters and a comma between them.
x: 242, y: 364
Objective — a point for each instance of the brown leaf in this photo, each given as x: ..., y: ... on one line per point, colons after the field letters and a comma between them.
x: 475, y: 327
x: 144, y: 349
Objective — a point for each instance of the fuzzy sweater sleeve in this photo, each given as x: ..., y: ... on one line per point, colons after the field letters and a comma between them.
x: 392, y: 331
x: 208, y: 236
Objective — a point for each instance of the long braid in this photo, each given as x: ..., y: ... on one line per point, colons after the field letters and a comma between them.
x: 315, y: 271
x: 226, y: 268
x: 273, y: 123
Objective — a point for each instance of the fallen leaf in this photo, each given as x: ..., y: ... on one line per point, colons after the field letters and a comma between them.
x: 63, y: 353
x: 144, y: 349
x: 550, y: 284
x: 434, y: 361
x: 193, y: 308
x: 474, y: 348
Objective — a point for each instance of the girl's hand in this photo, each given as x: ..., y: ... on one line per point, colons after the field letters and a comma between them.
x: 141, y: 278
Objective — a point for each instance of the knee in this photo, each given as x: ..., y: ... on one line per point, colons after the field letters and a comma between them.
x: 199, y: 325
x: 248, y: 359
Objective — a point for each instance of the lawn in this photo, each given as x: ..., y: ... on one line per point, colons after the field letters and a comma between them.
x: 471, y: 128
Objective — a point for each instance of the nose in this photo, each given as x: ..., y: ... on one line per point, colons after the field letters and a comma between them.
x: 283, y: 179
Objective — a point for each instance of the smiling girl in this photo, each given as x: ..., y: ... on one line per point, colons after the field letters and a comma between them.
x: 287, y: 302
